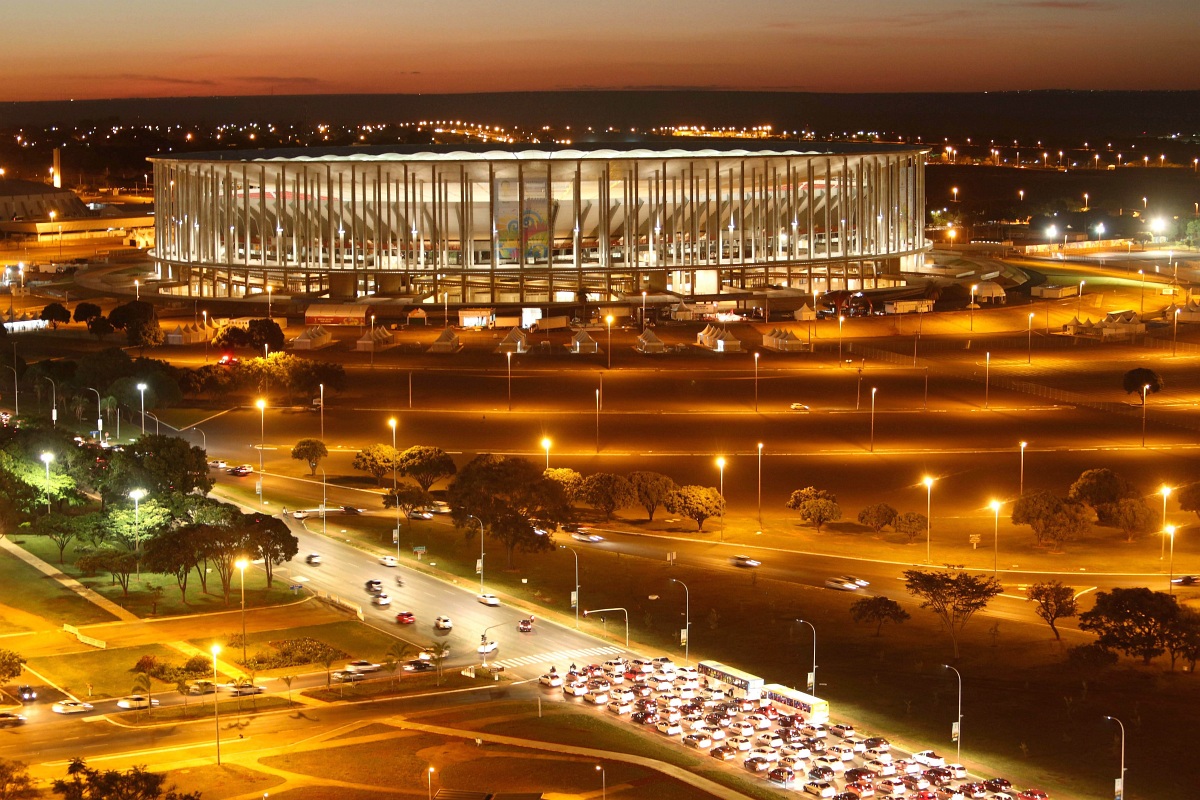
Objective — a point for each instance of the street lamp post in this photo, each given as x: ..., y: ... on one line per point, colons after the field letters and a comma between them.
x: 873, y: 390
x: 262, y: 435
x: 53, y: 401
x: 429, y: 783
x: 575, y: 599
x: 216, y: 648
x: 812, y: 676
x: 643, y: 312
x: 546, y: 447
x: 1165, y: 491
x: 1174, y: 330
x: 508, y: 357
x: 624, y: 611
x: 141, y: 387
x: 46, y: 459
x: 99, y: 414
x: 136, y: 495
x: 687, y: 619
x: 987, y: 378
x: 958, y: 725
x: 1120, y: 787
x: 760, y: 449
x: 1145, y: 388
x: 971, y: 306
x: 322, y: 412
x: 1029, y: 334
x: 16, y: 389
x: 241, y: 564
x: 1021, y: 486
x: 603, y: 782
x: 205, y: 313
x: 395, y: 498
x: 1079, y: 300
x: 609, y: 321
x: 721, y: 469
x: 756, y: 381
x: 928, y: 481
x: 1170, y: 531
x: 995, y: 506
x: 478, y: 520
x: 841, y: 320
x: 324, y: 485
x: 1142, y: 304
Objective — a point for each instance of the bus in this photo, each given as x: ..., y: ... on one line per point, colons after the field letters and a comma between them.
x: 744, y: 685
x: 813, y: 709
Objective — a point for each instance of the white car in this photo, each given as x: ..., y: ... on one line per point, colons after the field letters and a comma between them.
x: 820, y: 788
x: 362, y: 665
x: 882, y: 768
x: 841, y: 584
x: 740, y: 742
x: 597, y: 696
x: 551, y: 679
x: 929, y: 758
x: 741, y: 728
x: 136, y: 701
x: 488, y: 599
x: 957, y: 771
x: 770, y: 740
x: 890, y: 787
x: 577, y: 689
x: 381, y: 599
x: 841, y: 729
x: 799, y: 407
x: 618, y: 707
x: 815, y: 731
x: 388, y: 561
x: 585, y: 536
x: 769, y: 753
x: 71, y: 707
x: 217, y: 463
x: 759, y: 722
x: 879, y: 754
x: 854, y: 580
x: 842, y: 752
x: 240, y: 689
x: 833, y: 762
x: 487, y: 647
x: 669, y: 728
x: 299, y: 515
x: 442, y: 623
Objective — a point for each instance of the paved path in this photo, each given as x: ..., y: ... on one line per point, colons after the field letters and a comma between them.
x: 67, y: 581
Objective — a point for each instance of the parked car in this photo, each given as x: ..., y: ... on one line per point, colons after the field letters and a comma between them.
x: 488, y: 599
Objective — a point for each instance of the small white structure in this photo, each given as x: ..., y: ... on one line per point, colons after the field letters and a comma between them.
x: 804, y: 314
x: 516, y: 341
x: 477, y: 317
x: 1117, y: 325
x: 376, y: 338
x: 990, y: 291
x: 186, y: 334
x: 648, y: 342
x: 418, y: 316
x: 707, y: 337
x: 313, y: 338
x: 581, y: 342
x: 446, y: 342
x: 726, y: 342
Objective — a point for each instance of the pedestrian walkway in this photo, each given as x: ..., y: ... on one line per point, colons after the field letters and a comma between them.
x: 558, y: 656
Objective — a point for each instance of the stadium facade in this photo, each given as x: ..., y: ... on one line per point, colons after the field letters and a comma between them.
x: 540, y: 223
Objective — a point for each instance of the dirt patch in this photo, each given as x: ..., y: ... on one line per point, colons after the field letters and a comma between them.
x: 227, y: 780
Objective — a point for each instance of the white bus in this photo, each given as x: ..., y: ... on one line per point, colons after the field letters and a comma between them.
x: 813, y: 709
x: 743, y: 684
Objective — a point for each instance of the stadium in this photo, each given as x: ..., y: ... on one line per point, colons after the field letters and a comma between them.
x: 705, y: 220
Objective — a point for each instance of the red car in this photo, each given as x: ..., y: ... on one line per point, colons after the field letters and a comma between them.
x: 228, y: 359
x: 1033, y: 794
x: 405, y: 618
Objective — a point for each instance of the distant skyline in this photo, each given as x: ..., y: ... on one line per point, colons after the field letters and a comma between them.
x: 147, y: 48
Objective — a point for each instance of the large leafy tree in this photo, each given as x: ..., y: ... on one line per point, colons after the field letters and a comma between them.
x: 607, y: 492
x: 1133, y: 517
x: 1135, y: 621
x: 1189, y: 498
x: 378, y: 460
x: 15, y: 782
x: 56, y: 313
x: 652, y: 489
x: 11, y: 664
x: 1101, y: 489
x: 63, y: 530
x: 426, y: 465
x: 877, y: 517
x: 911, y: 524
x: 87, y: 783
x: 1136, y: 380
x: 953, y: 596
x: 86, y: 311
x: 877, y: 611
x: 310, y: 451
x: 569, y: 479
x: 118, y: 563
x: 162, y: 465
x: 816, y: 506
x: 1053, y: 519
x: 176, y: 552
x: 1054, y: 602
x: 223, y: 547
x: 407, y: 497
x: 270, y: 539
x: 508, y: 495
x: 129, y: 524
x: 265, y: 332
x: 697, y: 503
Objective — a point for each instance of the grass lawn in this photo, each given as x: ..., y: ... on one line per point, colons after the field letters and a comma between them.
x: 403, y: 766
x: 200, y: 706
x: 227, y: 780
x: 350, y: 636
x: 44, y: 596
x: 389, y: 687
x: 141, y: 601
x: 108, y: 671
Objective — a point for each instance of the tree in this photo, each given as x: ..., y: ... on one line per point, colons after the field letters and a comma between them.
x: 407, y: 497
x: 1189, y: 498
x: 54, y: 314
x: 62, y: 530
x: 377, y: 460
x: 85, y: 312
x: 438, y: 653
x: 1136, y: 380
x: 1071, y: 522
x: 1053, y: 520
x: 11, y: 665
x: 818, y: 511
x: 952, y: 596
x: 224, y: 546
x: 126, y: 313
x: 569, y: 479
x: 161, y: 465
x: 265, y: 332
x: 425, y: 465
x: 100, y: 327
x: 1054, y: 602
x: 86, y: 783
x: 399, y: 652
x: 145, y: 333
x: 15, y: 783
x: 911, y: 524
x: 1186, y: 637
x: 808, y: 493
x: 878, y: 610
x: 1101, y: 489
x: 1133, y: 516
x: 270, y: 539
x: 115, y: 562
x: 129, y: 524
x: 230, y: 337
x: 176, y: 552
x: 877, y: 517
x: 508, y: 495
x: 1134, y: 621
x: 607, y: 492
x: 652, y: 489
x: 697, y: 503
x: 310, y: 451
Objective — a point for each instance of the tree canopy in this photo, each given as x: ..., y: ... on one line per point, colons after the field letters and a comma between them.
x: 606, y: 492
x: 310, y: 451
x: 1054, y: 602
x: 952, y: 596
x: 1135, y: 380
x: 697, y: 503
x: 652, y: 489
x: 426, y: 465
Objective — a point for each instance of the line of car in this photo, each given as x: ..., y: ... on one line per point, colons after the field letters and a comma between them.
x: 779, y: 744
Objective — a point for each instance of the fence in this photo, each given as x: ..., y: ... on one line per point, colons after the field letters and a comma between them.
x: 340, y: 602
x: 83, y: 637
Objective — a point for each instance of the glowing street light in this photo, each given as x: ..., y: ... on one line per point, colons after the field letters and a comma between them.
x: 141, y: 387
x: 395, y: 499
x: 1165, y: 491
x: 928, y: 481
x: 958, y: 725
x: 1170, y: 531
x: 721, y: 468
x: 841, y: 321
x: 46, y: 459
x: 1120, y: 787
x: 995, y: 506
x: 609, y: 321
x: 241, y: 564
x: 508, y: 357
x: 756, y: 381
x: 760, y: 449
x: 1029, y: 336
x: 1021, y: 489
x: 873, y: 390
x: 1145, y: 389
x: 546, y: 446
